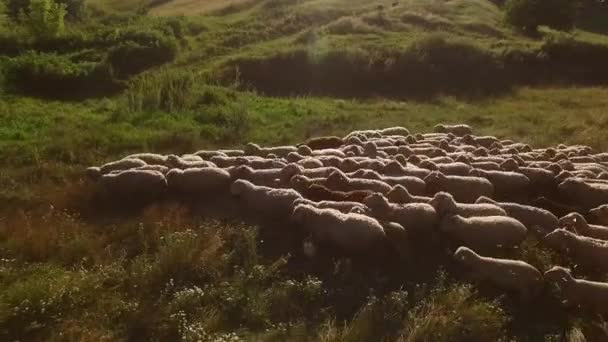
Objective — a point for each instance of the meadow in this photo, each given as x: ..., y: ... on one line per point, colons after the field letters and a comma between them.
x: 179, y: 76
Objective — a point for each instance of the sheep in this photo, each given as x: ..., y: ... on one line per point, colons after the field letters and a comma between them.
x: 397, y: 130
x: 399, y: 194
x: 583, y: 249
x: 266, y: 177
x: 294, y: 157
x: 415, y: 185
x: 141, y: 184
x: 451, y: 169
x: 149, y: 158
x: 331, y: 161
x: 293, y: 169
x: 198, y: 181
x: 532, y: 217
x: 488, y: 166
x: 420, y: 218
x: 576, y: 223
x: 464, y: 189
x: 555, y: 207
x: 321, y: 143
x: 599, y: 215
x: 352, y: 233
x: 222, y: 161
x: 176, y: 162
x: 307, y: 151
x: 354, y: 149
x: 587, y: 195
x: 160, y: 168
x: 207, y: 155
x: 353, y: 164
x: 509, y: 275
x: 396, y: 169
x: 310, y: 163
x: 255, y: 150
x: 121, y: 165
x: 588, y: 295
x: 505, y: 183
x: 345, y: 207
x: 318, y: 192
x: 339, y: 181
x: 261, y: 163
x: 445, y: 205
x: 457, y: 130
x: 232, y: 153
x: 485, y: 232
x: 265, y: 201
x: 483, y: 141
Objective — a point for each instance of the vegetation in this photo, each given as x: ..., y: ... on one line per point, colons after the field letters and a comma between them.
x: 530, y: 14
x: 121, y: 78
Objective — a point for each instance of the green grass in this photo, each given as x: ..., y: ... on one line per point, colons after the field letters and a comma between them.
x: 73, y: 269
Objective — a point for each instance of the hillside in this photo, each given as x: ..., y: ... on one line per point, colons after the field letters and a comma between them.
x: 178, y: 76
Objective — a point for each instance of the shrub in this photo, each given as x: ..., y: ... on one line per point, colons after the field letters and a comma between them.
x: 167, y: 91
x: 527, y: 15
x: 45, y: 18
x: 50, y: 75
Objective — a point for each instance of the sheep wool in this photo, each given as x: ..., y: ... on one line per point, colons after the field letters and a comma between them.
x: 446, y: 205
x: 510, y: 275
x: 142, y: 184
x: 264, y: 201
x: 339, y: 181
x: 198, y: 181
x: 457, y: 130
x: 588, y: 295
x: 577, y: 224
x: 464, y: 189
x: 121, y: 165
x: 420, y: 218
x: 587, y: 195
x: 399, y: 194
x: 599, y: 215
x: 582, y: 249
x: 484, y: 233
x: 532, y: 217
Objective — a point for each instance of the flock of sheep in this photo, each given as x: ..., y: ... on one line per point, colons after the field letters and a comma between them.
x: 389, y: 189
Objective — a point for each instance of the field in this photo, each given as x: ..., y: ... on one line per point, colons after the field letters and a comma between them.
x: 180, y: 76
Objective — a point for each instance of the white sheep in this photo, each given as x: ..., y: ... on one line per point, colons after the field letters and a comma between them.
x: 505, y: 183
x: 414, y: 185
x: 352, y: 233
x: 160, y: 168
x: 232, y: 153
x: 339, y: 181
x: 396, y: 169
x: 256, y: 150
x: 207, y: 155
x: 576, y: 223
x: 582, y: 249
x: 121, y: 165
x: 457, y: 130
x: 143, y: 184
x: 266, y: 177
x: 345, y: 207
x: 397, y: 130
x: 486, y: 232
x: 446, y: 205
x: 532, y: 217
x: 265, y: 201
x: 588, y: 295
x: 599, y: 215
x: 509, y: 275
x: 176, y: 162
x: 420, y: 218
x: 149, y: 158
x: 450, y: 169
x: 198, y: 181
x: 307, y: 151
x: 586, y: 195
x: 464, y: 189
x: 399, y: 194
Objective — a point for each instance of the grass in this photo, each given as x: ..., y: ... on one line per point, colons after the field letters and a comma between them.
x: 73, y: 268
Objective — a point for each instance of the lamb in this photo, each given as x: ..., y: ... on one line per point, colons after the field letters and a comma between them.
x: 588, y: 196
x: 176, y: 162
x: 265, y: 201
x: 588, y: 295
x: 415, y: 185
x: 532, y: 217
x: 149, y: 158
x: 464, y: 189
x: 344, y: 207
x: 483, y: 141
x: 310, y: 163
x: 141, y: 184
x: 397, y: 130
x: 307, y: 151
x: 255, y: 150
x: 509, y: 275
x: 505, y: 183
x: 445, y: 205
x: 207, y: 155
x: 160, y: 168
x: 420, y: 218
x: 582, y: 249
x: 352, y: 164
x: 451, y: 169
x: 232, y: 153
x: 488, y: 166
x: 121, y: 165
x: 321, y: 143
x: 266, y: 177
x: 599, y: 215
x: 222, y: 161
x: 339, y: 181
x: 198, y: 181
x: 318, y: 192
x: 484, y: 233
x: 261, y: 163
x: 331, y: 161
x: 293, y: 169
x: 576, y: 223
x: 395, y: 168
x: 457, y: 130
x: 399, y: 194
x: 555, y: 207
x: 352, y: 233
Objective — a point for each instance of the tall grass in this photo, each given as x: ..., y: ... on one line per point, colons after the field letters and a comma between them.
x: 166, y: 91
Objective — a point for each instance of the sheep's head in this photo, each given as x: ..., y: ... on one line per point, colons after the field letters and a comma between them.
x: 476, y: 173
x: 377, y: 202
x: 400, y: 158
x: 509, y: 165
x: 367, y: 174
x: 555, y: 168
x: 571, y: 184
x: 419, y: 136
x: 414, y: 159
x: 481, y: 152
x: 240, y: 186
x: 559, y: 156
x: 252, y: 149
x: 350, y: 164
x: 173, y: 160
x: 519, y: 160
x: 558, y: 238
x: 93, y: 173
x: 304, y: 150
x: 300, y: 183
x: 494, y: 151
x: 370, y: 148
x: 337, y: 178
x: 465, y: 255
x: 290, y: 170
x: 354, y: 140
x: 399, y: 194
x: 434, y: 178
x: 406, y: 151
x: 444, y: 204
x: 463, y: 159
x: 497, y: 145
x: 429, y: 165
x: 573, y: 222
x: 600, y: 214
x: 393, y: 167
x: 445, y: 145
x: 559, y: 275
x: 410, y: 139
x: 468, y: 139
x: 440, y: 129
x: 242, y: 172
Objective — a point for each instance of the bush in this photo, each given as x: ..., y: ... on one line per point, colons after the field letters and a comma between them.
x: 50, y: 75
x: 45, y: 18
x: 164, y: 91
x: 528, y: 15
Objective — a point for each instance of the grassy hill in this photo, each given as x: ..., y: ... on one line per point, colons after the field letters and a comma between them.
x: 178, y: 76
